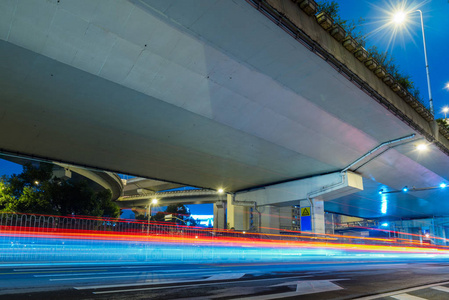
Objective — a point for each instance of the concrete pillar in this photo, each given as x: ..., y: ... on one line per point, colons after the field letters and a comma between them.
x: 220, y: 215
x: 329, y: 223
x: 237, y: 216
x: 269, y: 219
x: 318, y: 225
x: 285, y: 218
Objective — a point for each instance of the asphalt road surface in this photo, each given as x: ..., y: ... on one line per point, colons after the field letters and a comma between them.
x: 388, y: 279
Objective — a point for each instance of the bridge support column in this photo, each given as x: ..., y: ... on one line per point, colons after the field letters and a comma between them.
x: 220, y: 215
x: 286, y: 218
x: 317, y: 211
x: 269, y: 219
x: 237, y: 216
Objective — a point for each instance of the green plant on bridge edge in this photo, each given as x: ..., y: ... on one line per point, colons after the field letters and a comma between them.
x: 352, y: 28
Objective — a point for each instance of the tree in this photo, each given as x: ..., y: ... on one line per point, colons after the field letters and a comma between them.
x: 180, y: 212
x: 36, y: 190
x: 159, y: 217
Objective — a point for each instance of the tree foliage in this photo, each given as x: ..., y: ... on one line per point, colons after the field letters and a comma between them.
x: 37, y: 191
x: 179, y: 211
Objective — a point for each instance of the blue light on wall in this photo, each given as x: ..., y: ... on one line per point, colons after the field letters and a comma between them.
x: 383, y: 208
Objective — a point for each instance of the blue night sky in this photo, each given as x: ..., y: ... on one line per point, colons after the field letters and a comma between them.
x: 407, y: 47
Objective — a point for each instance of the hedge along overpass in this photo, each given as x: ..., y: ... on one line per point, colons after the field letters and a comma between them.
x: 213, y: 94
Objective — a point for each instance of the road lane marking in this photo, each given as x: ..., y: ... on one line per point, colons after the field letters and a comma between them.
x: 227, y: 276
x: 78, y: 274
x: 390, y: 294
x: 142, y: 274
x: 302, y: 288
x: 407, y: 297
x: 103, y: 277
x: 18, y: 273
x: 187, y: 285
x: 105, y: 272
x: 441, y: 288
x: 55, y: 269
x: 168, y: 282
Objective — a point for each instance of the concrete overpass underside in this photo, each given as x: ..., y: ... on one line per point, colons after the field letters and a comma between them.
x: 210, y: 94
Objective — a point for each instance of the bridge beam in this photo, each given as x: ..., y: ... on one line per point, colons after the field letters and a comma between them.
x: 310, y: 192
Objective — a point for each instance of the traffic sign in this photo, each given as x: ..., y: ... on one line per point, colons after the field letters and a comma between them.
x: 306, y: 219
x: 305, y: 211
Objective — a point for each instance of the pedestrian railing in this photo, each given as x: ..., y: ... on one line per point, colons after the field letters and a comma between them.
x: 43, y: 238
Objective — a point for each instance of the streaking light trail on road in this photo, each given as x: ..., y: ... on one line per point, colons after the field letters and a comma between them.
x: 171, y: 243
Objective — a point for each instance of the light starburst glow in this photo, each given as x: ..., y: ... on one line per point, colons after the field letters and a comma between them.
x: 421, y: 147
x: 396, y: 24
x: 399, y: 17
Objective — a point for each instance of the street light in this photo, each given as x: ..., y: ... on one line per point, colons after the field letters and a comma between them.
x: 399, y: 18
x: 422, y: 147
x: 153, y: 201
x: 445, y: 110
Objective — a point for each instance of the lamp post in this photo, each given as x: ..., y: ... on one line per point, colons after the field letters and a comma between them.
x: 153, y: 201
x: 445, y: 111
x: 399, y: 18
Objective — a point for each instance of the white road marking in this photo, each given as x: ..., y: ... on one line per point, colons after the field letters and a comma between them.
x: 138, y: 267
x: 272, y: 296
x: 390, y: 294
x: 302, y: 288
x: 147, y: 283
x: 226, y: 276
x: 441, y: 288
x: 158, y: 272
x: 89, y: 278
x: 146, y: 274
x: 407, y: 297
x: 176, y: 286
x: 56, y: 269
x: 78, y: 274
x: 104, y: 267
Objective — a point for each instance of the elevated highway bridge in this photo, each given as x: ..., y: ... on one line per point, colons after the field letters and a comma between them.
x: 252, y: 97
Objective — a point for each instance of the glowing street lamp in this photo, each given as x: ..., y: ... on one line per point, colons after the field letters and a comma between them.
x: 153, y: 201
x: 421, y: 147
x: 445, y: 111
x: 399, y: 18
